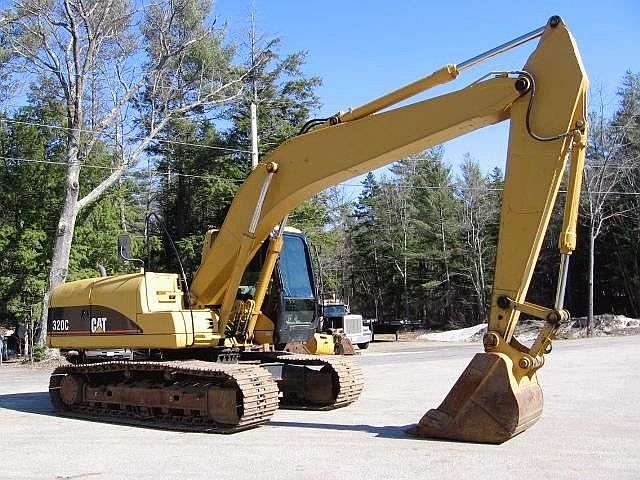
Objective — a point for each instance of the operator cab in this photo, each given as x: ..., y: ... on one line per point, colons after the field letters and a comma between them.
x: 291, y: 301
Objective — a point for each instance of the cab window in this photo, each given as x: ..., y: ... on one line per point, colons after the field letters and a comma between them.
x: 294, y: 269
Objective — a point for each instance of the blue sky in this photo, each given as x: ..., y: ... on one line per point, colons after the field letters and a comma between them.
x: 362, y: 49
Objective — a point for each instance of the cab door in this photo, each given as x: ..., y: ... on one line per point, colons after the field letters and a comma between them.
x: 298, y: 314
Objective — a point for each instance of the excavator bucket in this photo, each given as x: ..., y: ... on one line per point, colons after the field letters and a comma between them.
x: 486, y: 405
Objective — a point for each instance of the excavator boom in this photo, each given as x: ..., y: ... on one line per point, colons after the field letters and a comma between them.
x: 309, y: 163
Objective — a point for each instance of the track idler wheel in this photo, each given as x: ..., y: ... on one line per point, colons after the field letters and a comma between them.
x: 487, y: 404
x: 72, y: 390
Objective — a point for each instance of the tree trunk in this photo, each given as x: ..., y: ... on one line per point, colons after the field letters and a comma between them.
x: 590, y: 282
x: 405, y: 281
x: 483, y: 284
x: 64, y: 236
x: 446, y: 317
x: 444, y: 247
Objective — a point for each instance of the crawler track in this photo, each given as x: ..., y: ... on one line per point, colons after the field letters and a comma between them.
x: 346, y: 382
x: 180, y: 395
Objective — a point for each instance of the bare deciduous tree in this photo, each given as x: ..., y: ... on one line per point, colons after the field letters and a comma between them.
x: 122, y: 73
x: 336, y: 262
x: 395, y: 217
x: 605, y: 172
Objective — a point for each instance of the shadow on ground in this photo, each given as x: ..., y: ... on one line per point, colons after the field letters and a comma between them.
x: 387, y: 431
x: 38, y: 403
x: 31, y: 402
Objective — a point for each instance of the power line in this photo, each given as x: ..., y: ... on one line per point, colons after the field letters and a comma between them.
x: 614, y: 167
x: 157, y: 173
x: 467, y: 189
x: 82, y: 130
x: 139, y: 173
x: 211, y: 147
x: 191, y: 175
x: 51, y: 162
x: 429, y: 187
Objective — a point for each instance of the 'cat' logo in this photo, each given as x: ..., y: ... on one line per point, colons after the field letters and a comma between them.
x: 98, y: 324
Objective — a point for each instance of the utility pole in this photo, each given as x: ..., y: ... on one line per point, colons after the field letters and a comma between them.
x: 254, y: 133
x: 150, y: 181
x: 31, y: 336
x: 123, y: 216
x: 254, y: 100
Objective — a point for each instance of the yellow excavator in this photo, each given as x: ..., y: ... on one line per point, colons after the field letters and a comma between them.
x: 210, y: 363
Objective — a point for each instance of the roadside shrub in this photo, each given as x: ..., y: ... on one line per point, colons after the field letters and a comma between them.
x: 39, y: 353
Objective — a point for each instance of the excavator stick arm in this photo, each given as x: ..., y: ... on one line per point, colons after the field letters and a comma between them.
x: 535, y: 166
x: 498, y: 395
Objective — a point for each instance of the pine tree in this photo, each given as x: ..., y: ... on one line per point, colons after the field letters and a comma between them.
x: 437, y: 230
x: 202, y: 172
x: 369, y: 272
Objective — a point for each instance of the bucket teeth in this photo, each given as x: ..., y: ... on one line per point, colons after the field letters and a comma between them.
x: 486, y: 405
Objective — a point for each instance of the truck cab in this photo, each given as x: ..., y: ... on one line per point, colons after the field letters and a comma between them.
x: 336, y: 318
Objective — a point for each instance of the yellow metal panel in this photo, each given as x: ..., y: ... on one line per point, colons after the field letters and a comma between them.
x: 152, y: 301
x: 123, y: 293
x: 162, y: 292
x: 72, y: 293
x: 263, y: 331
x: 321, y: 344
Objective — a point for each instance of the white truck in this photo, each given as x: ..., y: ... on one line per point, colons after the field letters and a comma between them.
x: 336, y: 318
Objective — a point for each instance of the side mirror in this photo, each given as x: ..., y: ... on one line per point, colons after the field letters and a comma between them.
x: 125, y: 252
x: 124, y: 247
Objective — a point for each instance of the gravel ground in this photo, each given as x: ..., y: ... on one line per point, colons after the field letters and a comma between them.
x: 590, y: 428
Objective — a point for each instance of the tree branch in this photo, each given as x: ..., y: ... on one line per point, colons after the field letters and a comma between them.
x: 98, y: 191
